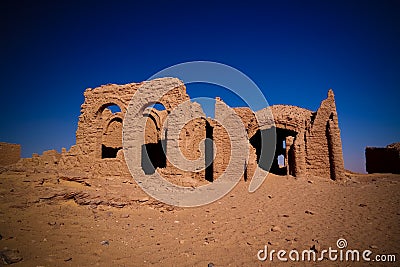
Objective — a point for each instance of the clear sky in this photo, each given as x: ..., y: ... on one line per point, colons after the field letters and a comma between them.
x: 51, y: 51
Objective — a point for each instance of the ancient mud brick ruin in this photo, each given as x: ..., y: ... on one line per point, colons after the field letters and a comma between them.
x: 383, y: 159
x: 10, y: 153
x: 309, y: 142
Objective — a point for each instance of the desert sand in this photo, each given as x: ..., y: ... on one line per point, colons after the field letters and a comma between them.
x: 47, y: 221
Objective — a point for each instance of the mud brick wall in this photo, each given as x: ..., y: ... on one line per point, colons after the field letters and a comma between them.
x: 324, y: 155
x: 382, y: 159
x: 9, y: 153
x: 309, y: 141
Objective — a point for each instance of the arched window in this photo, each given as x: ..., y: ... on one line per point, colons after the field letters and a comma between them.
x: 158, y: 106
x: 112, y: 139
x: 107, y: 109
x: 113, y: 108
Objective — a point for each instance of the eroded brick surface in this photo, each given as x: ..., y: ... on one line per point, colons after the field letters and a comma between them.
x: 309, y: 142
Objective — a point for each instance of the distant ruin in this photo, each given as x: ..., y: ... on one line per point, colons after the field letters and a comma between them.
x: 308, y: 141
x: 383, y: 159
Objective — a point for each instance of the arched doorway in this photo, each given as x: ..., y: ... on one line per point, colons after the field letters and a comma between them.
x: 283, y: 161
x: 109, y: 121
x: 111, y: 141
x: 153, y: 155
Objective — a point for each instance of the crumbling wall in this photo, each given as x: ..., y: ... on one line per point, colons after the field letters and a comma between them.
x: 383, y: 159
x: 100, y: 131
x: 112, y: 136
x: 295, y: 122
x: 324, y: 155
x: 47, y: 162
x: 190, y: 138
x: 289, y: 127
x: 9, y: 153
x: 94, y: 114
x: 186, y: 130
x: 250, y: 123
x: 310, y: 141
x: 222, y: 143
x: 191, y: 146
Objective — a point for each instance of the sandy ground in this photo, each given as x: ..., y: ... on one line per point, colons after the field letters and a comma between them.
x: 114, y: 226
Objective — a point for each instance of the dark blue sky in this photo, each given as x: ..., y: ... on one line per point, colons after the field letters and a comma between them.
x: 51, y: 51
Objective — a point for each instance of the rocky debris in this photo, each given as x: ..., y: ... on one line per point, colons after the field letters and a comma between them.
x: 105, y: 243
x: 316, y: 247
x: 94, y: 198
x: 10, y: 256
x: 82, y: 198
x: 209, y: 239
x: 144, y: 199
x: 3, y: 169
x: 276, y: 229
x: 270, y: 243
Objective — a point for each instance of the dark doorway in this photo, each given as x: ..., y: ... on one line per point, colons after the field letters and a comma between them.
x: 281, y: 147
x: 209, y: 153
x: 291, y: 162
x: 109, y: 152
x: 112, y: 138
x: 263, y: 142
x: 330, y: 148
x: 153, y: 157
x: 154, y: 148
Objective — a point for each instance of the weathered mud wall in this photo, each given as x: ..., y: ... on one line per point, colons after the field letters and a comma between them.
x: 9, y: 153
x: 383, y: 159
x: 324, y: 155
x: 309, y: 141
